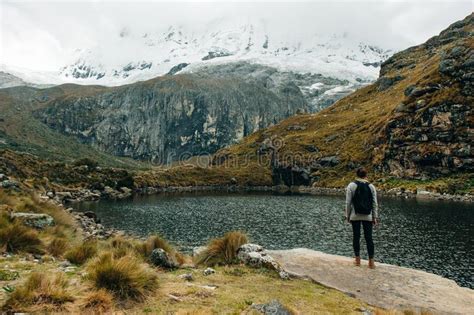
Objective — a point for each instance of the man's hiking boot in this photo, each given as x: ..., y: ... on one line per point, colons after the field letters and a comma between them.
x: 357, y: 261
x: 371, y: 263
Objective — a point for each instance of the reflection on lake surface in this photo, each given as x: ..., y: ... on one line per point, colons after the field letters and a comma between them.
x: 435, y: 236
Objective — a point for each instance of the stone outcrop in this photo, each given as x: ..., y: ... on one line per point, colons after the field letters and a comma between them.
x: 255, y: 256
x: 273, y: 307
x: 161, y: 258
x: 91, y: 226
x: 431, y: 131
x: 386, y: 286
x: 35, y: 220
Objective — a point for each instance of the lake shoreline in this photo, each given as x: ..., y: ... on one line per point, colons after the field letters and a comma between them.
x: 305, y: 190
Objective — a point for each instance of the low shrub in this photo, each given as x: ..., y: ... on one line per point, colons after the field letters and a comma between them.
x: 97, y: 302
x: 90, y: 163
x: 15, y: 237
x: 125, y: 277
x: 40, y: 290
x: 79, y: 254
x: 223, y: 250
x: 58, y: 246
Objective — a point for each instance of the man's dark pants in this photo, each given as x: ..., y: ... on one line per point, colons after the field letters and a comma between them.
x: 367, y: 225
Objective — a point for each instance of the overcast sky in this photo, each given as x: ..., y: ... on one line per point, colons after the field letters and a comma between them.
x: 41, y: 35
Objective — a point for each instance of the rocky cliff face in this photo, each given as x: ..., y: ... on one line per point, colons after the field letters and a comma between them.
x: 415, y: 122
x: 172, y: 117
x: 319, y: 91
x: 431, y: 131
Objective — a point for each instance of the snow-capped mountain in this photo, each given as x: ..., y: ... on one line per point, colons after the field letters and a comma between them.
x: 132, y: 56
x: 325, y: 67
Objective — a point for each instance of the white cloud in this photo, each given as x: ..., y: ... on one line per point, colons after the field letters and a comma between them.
x: 42, y: 34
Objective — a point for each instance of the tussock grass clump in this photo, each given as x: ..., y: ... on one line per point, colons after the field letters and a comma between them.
x: 97, y: 302
x: 121, y: 246
x: 79, y: 254
x: 223, y: 250
x: 15, y: 237
x: 40, y: 290
x: 125, y: 277
x: 153, y: 242
x: 58, y: 246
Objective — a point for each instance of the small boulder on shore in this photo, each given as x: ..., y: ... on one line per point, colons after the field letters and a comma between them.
x: 272, y: 308
x: 255, y: 256
x: 160, y: 258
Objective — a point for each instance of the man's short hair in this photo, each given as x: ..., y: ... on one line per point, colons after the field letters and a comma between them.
x: 361, y: 172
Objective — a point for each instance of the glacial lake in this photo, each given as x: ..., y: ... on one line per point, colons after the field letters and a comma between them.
x: 435, y: 236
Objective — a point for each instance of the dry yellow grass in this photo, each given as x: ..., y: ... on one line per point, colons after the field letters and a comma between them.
x: 125, y: 277
x: 58, y: 246
x: 15, y: 237
x: 222, y: 250
x: 82, y: 252
x: 156, y: 241
x: 97, y: 302
x: 41, y: 290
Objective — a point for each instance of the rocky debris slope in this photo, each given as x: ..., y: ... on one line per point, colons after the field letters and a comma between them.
x: 386, y: 286
x: 430, y: 132
x: 171, y: 117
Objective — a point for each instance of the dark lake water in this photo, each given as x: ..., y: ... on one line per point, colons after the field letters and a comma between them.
x: 434, y: 236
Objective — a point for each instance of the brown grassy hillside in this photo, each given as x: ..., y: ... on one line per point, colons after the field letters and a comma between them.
x: 413, y: 124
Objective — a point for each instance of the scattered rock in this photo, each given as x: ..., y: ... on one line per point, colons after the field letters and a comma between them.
x: 177, y: 68
x: 111, y: 193
x: 217, y: 54
x: 331, y: 138
x: 329, y: 161
x: 206, y: 286
x: 385, y: 82
x: 160, y: 258
x: 290, y: 175
x: 255, y: 256
x: 3, y: 177
x: 311, y: 148
x: 8, y: 183
x: 92, y: 215
x: 295, y: 127
x: 175, y: 298
x: 272, y: 308
x: 91, y: 226
x: 187, y: 276
x: 65, y: 264
x: 208, y: 271
x: 35, y: 220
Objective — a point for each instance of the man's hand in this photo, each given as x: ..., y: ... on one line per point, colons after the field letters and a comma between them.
x: 375, y: 221
x: 347, y: 219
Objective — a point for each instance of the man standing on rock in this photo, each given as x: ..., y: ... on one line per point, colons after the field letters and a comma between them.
x: 362, y: 209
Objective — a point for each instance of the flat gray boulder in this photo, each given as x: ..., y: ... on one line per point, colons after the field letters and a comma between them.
x: 386, y: 286
x: 35, y: 220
